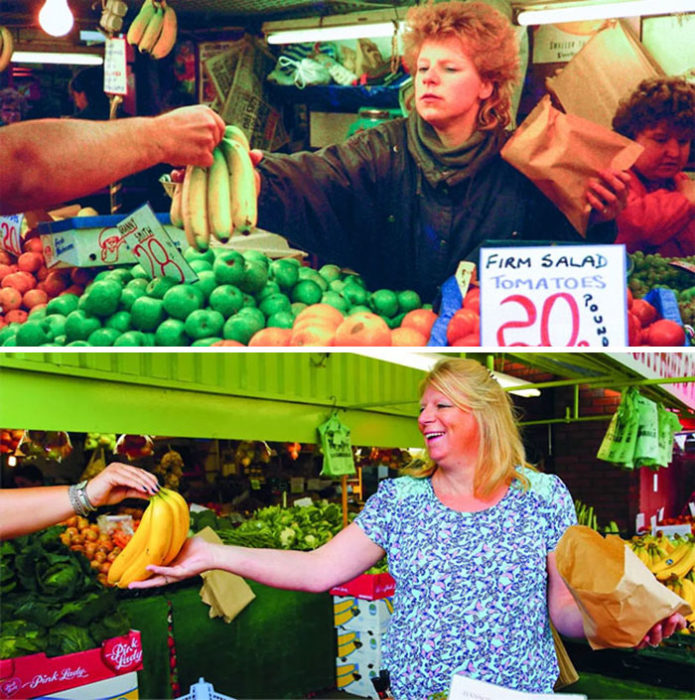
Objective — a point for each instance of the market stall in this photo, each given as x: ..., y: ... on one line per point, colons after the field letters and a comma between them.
x: 236, y: 421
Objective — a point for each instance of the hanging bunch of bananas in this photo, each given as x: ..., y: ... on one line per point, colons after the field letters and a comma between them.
x: 6, y: 47
x: 219, y: 200
x: 685, y: 588
x: 162, y: 532
x: 170, y: 468
x: 585, y: 515
x: 153, y: 30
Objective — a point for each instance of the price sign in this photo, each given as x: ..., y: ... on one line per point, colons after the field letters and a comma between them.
x: 115, y: 75
x: 10, y: 233
x: 149, y: 242
x: 542, y: 296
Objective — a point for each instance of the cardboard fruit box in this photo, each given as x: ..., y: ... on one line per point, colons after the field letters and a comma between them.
x: 367, y: 587
x: 37, y: 675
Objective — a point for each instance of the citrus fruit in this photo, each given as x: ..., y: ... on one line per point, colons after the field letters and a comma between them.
x: 227, y: 299
x: 271, y: 337
x: 307, y: 291
x: 181, y: 299
x: 384, y: 302
x: 363, y: 329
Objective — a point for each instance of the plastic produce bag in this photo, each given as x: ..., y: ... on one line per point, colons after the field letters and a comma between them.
x: 451, y: 301
x: 668, y: 425
x: 619, y: 598
x: 618, y: 444
x: 559, y: 152
x: 336, y: 447
x: 647, y: 443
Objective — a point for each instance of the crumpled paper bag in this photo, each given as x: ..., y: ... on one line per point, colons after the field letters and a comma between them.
x: 619, y: 598
x: 226, y: 593
x: 559, y: 152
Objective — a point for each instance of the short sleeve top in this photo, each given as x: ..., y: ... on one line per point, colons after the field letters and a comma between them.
x: 471, y: 588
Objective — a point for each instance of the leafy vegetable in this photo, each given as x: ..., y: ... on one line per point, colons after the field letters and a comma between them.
x: 67, y: 639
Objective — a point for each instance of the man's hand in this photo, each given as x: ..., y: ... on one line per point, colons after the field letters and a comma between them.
x: 188, y: 135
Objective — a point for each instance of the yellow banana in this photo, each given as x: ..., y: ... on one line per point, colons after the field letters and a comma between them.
x: 679, y: 567
x: 157, y: 546
x: 198, y: 204
x: 242, y: 186
x: 180, y: 523
x: 345, y: 674
x: 167, y: 38
x: 675, y: 556
x: 186, y: 207
x: 7, y: 44
x: 219, y: 205
x: 139, y: 24
x: 152, y: 31
x: 688, y: 593
x: 135, y: 545
x: 175, y: 208
x: 235, y: 133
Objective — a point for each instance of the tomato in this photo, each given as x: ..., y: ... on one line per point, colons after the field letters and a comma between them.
x: 472, y: 299
x: 664, y: 333
x: 462, y: 323
x: 630, y: 298
x: 634, y: 329
x: 644, y: 311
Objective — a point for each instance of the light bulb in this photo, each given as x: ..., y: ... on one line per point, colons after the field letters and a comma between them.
x: 55, y: 17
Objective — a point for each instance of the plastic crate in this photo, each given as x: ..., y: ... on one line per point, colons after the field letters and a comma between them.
x: 665, y: 302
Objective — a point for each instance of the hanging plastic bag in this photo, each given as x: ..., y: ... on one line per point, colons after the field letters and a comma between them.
x: 668, y: 425
x: 647, y: 443
x: 618, y: 445
x: 337, y: 448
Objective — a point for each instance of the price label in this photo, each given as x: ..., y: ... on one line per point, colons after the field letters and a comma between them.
x: 542, y: 296
x: 149, y: 242
x: 115, y: 67
x: 10, y: 233
x: 464, y: 275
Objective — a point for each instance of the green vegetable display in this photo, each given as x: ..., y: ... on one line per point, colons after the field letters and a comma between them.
x: 51, y: 599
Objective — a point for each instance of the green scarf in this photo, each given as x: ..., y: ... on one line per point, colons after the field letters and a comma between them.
x: 450, y: 165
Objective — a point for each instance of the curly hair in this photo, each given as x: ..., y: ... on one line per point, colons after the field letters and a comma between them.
x: 470, y: 386
x: 655, y: 100
x: 488, y: 39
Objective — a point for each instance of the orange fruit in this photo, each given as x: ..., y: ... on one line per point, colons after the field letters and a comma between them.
x: 321, y: 314
x: 308, y: 334
x: 407, y: 337
x: 271, y: 336
x: 462, y: 323
x: 363, y: 328
x: 420, y: 320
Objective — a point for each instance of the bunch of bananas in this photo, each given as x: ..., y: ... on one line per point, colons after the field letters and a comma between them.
x: 153, y: 30
x: 162, y: 532
x: 673, y: 563
x: 6, y: 47
x: 170, y: 469
x: 585, y: 514
x: 219, y: 200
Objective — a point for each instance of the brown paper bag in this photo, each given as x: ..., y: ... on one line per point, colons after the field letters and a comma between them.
x: 619, y: 598
x: 559, y: 152
x: 227, y: 594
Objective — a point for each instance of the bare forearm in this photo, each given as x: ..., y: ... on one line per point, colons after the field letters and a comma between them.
x: 27, y: 510
x: 568, y: 619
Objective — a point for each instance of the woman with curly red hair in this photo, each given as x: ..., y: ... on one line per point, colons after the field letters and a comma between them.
x: 403, y: 202
x: 660, y: 213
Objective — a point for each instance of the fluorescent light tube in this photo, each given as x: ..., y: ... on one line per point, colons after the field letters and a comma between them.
x: 353, y: 31
x: 74, y: 59
x: 611, y: 10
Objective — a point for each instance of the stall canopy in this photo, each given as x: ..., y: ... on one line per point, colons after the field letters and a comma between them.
x: 281, y: 396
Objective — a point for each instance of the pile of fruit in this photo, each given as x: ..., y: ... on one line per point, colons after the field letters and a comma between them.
x: 672, y: 561
x: 9, y: 440
x: 239, y: 299
x: 653, y: 271
x: 646, y: 327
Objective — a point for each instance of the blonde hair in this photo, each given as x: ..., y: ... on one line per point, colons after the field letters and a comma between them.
x: 488, y: 39
x: 471, y: 387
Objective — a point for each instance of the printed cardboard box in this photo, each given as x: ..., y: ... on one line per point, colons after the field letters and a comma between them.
x: 37, y: 675
x: 350, y: 613
x: 367, y: 587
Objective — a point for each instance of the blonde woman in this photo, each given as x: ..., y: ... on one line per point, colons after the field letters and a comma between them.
x: 403, y: 202
x: 469, y: 540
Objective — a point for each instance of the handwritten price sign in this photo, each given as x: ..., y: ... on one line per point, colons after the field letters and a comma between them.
x: 560, y: 296
x: 10, y: 238
x: 151, y: 245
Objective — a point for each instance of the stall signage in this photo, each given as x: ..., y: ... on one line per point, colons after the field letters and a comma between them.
x: 10, y: 236
x: 151, y: 245
x: 115, y: 73
x: 567, y: 296
x: 555, y: 44
x: 665, y: 365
